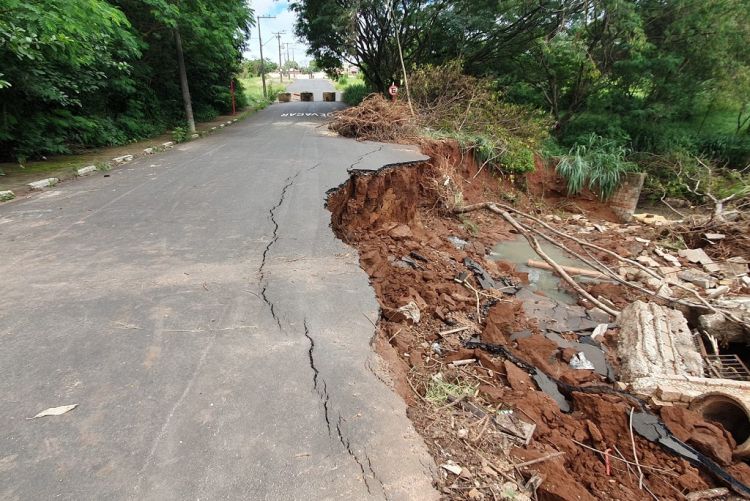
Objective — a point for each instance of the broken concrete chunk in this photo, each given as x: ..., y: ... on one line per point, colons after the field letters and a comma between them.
x: 732, y: 269
x: 411, y: 312
x: 717, y: 292
x: 697, y: 256
x: 651, y: 219
x: 655, y: 341
x: 148, y: 151
x: 647, y: 261
x: 715, y: 236
x: 668, y: 257
x: 457, y: 242
x: 720, y: 327
x: 168, y: 144
x: 452, y: 467
x: 6, y: 195
x: 698, y: 278
x: 580, y: 362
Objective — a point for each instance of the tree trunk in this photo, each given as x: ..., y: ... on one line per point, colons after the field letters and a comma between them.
x: 184, y: 82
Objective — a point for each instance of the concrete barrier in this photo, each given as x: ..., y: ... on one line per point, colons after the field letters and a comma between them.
x: 329, y: 97
x: 306, y: 96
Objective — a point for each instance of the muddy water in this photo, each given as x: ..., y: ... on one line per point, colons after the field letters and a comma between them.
x: 519, y: 252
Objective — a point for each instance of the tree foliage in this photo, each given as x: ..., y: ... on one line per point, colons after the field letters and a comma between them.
x: 94, y: 72
x: 652, y: 76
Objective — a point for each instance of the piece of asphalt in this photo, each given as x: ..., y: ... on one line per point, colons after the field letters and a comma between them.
x: 214, y: 333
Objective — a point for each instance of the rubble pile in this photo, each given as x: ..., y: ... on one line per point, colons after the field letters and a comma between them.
x: 521, y: 394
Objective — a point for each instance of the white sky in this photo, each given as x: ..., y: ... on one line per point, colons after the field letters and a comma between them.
x: 284, y: 21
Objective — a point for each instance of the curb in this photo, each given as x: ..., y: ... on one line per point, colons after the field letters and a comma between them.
x: 8, y: 195
x: 43, y: 183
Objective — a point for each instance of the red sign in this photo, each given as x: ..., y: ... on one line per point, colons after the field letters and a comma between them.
x: 393, y: 90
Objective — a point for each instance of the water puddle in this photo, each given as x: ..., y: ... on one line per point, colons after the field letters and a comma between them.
x: 546, y: 282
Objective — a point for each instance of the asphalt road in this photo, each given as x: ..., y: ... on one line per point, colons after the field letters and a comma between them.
x: 214, y: 333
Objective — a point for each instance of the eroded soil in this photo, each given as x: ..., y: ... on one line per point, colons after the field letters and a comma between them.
x: 399, y: 221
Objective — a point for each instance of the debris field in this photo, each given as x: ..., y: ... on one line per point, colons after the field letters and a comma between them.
x: 626, y: 382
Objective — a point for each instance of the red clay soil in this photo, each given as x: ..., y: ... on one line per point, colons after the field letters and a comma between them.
x: 401, y: 212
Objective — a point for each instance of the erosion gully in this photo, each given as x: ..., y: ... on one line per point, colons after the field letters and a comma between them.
x: 415, y: 251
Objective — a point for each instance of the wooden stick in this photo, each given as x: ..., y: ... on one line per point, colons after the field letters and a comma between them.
x: 539, y: 460
x: 556, y: 267
x: 572, y: 270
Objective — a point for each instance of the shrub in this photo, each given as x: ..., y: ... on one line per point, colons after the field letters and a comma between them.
x: 730, y: 149
x: 355, y: 94
x: 180, y: 134
x: 469, y: 109
x: 598, y: 164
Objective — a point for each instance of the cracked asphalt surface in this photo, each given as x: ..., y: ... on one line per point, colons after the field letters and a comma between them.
x: 215, y: 334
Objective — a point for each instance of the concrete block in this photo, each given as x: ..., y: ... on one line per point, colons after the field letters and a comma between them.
x: 698, y: 278
x: 655, y: 341
x: 168, y: 144
x: 123, y: 159
x: 7, y: 195
x: 43, y: 183
x: 668, y: 395
x: 83, y: 171
x: 306, y: 96
x: 148, y: 151
x: 329, y: 97
x: 285, y: 97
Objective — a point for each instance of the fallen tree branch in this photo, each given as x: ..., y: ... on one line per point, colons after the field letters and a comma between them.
x: 539, y: 460
x: 531, y: 263
x: 556, y: 267
x: 702, y: 303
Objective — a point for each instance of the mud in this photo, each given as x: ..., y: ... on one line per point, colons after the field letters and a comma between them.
x: 399, y: 221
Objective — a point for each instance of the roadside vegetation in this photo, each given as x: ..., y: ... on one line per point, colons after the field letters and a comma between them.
x: 661, y: 87
x: 77, y: 74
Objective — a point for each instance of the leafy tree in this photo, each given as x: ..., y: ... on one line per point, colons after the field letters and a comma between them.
x: 363, y: 33
x: 252, y: 66
x: 82, y: 73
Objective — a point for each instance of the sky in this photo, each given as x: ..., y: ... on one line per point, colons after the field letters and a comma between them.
x: 284, y: 21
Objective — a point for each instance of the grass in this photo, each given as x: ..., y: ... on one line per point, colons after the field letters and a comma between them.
x: 347, y: 81
x: 254, y: 90
x: 15, y: 177
x: 439, y: 390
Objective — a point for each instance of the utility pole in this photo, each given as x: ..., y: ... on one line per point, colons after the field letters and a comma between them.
x: 262, y: 62
x: 281, y: 70
x: 287, y: 51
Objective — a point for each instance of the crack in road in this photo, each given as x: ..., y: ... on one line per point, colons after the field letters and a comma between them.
x: 272, y: 216
x: 319, y: 384
x: 261, y: 270
x: 317, y: 380
x: 345, y: 442
x: 351, y: 167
